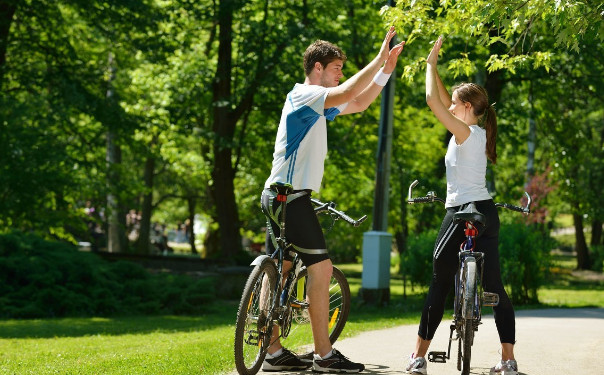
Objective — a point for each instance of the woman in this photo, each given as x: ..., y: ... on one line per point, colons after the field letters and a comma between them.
x: 472, y: 121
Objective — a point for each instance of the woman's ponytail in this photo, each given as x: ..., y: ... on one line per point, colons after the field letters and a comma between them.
x: 478, y: 97
x: 490, y: 125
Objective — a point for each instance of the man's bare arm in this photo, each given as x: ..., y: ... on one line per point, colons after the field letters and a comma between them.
x: 355, y: 85
x: 373, y: 90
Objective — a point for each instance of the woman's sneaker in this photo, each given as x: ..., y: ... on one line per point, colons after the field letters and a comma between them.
x: 285, y: 361
x: 336, y: 362
x: 417, y: 365
x: 509, y: 367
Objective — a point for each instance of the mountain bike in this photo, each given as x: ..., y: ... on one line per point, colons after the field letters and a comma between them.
x: 469, y: 295
x: 274, y: 297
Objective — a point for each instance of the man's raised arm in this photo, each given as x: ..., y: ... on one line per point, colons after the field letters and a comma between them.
x: 355, y: 85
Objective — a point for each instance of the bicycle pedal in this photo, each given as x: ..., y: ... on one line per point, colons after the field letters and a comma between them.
x: 299, y: 304
x: 439, y: 357
x: 253, y: 338
x: 490, y: 299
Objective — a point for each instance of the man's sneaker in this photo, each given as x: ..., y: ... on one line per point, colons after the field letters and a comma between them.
x: 307, y: 357
x: 509, y: 367
x: 417, y: 365
x: 285, y: 361
x: 336, y: 362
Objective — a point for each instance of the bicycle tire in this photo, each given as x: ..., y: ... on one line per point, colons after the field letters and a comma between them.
x: 467, y: 323
x: 300, y: 339
x: 251, y: 331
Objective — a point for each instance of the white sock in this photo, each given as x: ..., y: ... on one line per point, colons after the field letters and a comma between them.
x: 328, y: 355
x: 275, y: 354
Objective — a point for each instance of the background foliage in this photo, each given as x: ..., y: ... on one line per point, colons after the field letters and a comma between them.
x: 44, y: 279
x: 170, y: 108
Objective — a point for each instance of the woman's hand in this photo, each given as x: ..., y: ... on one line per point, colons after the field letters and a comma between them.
x: 433, y: 56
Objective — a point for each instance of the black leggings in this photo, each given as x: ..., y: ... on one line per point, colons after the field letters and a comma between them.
x: 445, y: 263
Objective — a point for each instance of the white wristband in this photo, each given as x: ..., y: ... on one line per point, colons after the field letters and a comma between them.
x: 381, y: 78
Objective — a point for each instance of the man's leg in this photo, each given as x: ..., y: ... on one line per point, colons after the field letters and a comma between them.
x: 319, y: 276
x: 326, y: 359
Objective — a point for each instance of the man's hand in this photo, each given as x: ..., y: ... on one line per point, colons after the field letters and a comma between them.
x: 385, y: 50
x: 393, y: 58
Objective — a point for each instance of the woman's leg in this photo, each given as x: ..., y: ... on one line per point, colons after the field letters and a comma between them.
x: 444, y: 267
x: 505, y: 319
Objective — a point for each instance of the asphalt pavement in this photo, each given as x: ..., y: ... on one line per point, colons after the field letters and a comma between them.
x: 549, y: 342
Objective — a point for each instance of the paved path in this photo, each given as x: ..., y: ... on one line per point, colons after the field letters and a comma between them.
x: 549, y: 342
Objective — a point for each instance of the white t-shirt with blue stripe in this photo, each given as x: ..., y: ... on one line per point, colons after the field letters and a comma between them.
x: 301, y: 144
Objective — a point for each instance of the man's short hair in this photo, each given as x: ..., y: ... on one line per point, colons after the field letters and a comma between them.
x: 323, y: 52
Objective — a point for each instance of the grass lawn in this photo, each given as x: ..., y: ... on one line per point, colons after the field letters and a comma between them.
x: 203, y: 345
x: 128, y: 345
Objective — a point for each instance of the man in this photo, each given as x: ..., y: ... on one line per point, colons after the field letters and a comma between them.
x: 300, y: 150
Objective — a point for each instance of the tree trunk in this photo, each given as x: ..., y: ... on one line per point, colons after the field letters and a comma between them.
x: 144, y: 234
x: 223, y: 194
x: 596, y: 232
x: 191, y: 232
x: 583, y: 261
x: 223, y: 172
x: 7, y: 12
x: 116, y: 233
x: 532, y: 136
x: 210, y: 244
x: 402, y: 235
x: 494, y: 86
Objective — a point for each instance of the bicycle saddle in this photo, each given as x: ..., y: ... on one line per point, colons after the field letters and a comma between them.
x: 282, y: 188
x: 470, y: 214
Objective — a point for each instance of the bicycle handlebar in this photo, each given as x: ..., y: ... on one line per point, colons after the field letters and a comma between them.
x: 525, y: 210
x: 431, y: 197
x: 330, y: 209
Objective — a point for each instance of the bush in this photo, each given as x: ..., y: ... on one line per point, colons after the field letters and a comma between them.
x: 524, y: 257
x: 597, y: 254
x: 42, y: 278
x: 416, y: 260
x: 525, y: 260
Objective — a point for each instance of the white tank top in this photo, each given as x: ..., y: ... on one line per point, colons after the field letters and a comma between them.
x: 466, y: 166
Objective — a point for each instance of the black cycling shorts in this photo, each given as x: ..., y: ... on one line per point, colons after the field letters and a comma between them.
x: 302, y: 228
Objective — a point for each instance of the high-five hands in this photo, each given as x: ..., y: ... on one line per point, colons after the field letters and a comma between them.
x: 433, y: 56
x: 390, y: 56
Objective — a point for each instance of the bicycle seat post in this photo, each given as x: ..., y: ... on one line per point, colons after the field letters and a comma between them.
x: 282, y: 190
x: 282, y: 198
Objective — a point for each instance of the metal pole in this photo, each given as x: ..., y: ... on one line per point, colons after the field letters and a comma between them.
x: 383, y: 156
x: 375, y: 285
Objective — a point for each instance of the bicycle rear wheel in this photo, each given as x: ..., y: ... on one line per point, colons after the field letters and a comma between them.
x: 300, y: 338
x: 466, y: 341
x: 253, y: 328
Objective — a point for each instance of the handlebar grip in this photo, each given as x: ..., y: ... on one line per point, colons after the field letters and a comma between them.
x: 512, y: 207
x: 347, y: 218
x: 358, y: 222
x: 420, y: 200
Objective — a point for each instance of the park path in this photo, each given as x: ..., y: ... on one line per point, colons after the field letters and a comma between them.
x: 549, y: 342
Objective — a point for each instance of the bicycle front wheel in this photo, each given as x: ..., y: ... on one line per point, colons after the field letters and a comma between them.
x: 300, y: 338
x: 467, y: 323
x: 253, y: 328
